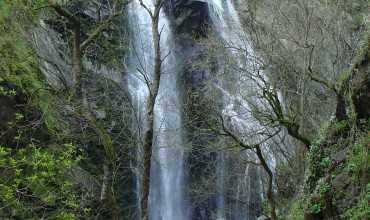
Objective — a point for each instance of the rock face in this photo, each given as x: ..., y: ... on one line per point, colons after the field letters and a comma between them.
x: 53, y: 55
x: 191, y: 21
x: 361, y: 81
x: 191, y: 16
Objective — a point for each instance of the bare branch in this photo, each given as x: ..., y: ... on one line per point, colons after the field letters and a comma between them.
x: 147, y: 81
x: 146, y: 8
x: 101, y: 27
x: 64, y: 13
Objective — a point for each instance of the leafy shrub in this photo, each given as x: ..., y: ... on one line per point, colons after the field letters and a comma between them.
x: 317, y: 163
x: 34, y: 183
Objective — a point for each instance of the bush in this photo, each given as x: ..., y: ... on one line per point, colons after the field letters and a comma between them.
x: 34, y: 183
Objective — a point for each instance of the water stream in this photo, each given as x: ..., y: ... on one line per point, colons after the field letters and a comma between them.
x: 167, y: 176
x: 244, y: 200
x: 167, y: 189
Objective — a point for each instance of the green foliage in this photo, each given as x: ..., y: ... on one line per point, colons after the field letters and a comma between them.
x: 323, y: 188
x: 317, y: 203
x: 317, y: 163
x: 330, y: 129
x: 18, y: 63
x: 358, y: 20
x: 362, y: 209
x: 315, y: 208
x: 34, y: 183
x: 20, y: 10
x: 317, y: 189
x: 342, y: 78
x: 296, y: 210
x: 7, y: 92
x: 359, y: 159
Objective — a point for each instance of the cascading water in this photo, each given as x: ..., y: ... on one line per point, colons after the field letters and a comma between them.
x: 167, y: 200
x: 167, y: 194
x: 227, y: 25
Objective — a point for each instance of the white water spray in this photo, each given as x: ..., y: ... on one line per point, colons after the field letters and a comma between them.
x: 166, y: 200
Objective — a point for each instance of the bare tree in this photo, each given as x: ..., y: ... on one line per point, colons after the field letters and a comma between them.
x: 153, y: 88
x: 307, y: 50
x: 220, y: 127
x: 270, y: 110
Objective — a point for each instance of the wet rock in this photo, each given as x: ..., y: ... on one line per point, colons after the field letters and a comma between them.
x: 53, y: 55
x: 191, y: 16
x: 341, y: 181
x: 340, y: 155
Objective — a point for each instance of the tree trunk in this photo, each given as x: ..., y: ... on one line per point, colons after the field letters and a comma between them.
x: 110, y: 206
x: 270, y: 194
x: 293, y: 131
x: 76, y: 62
x: 106, y: 183
x: 147, y: 147
x: 148, y: 135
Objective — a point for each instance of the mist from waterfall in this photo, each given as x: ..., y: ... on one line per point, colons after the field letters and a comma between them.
x: 167, y: 198
x: 226, y: 22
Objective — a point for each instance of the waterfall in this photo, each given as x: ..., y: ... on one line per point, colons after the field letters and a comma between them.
x: 167, y: 189
x: 167, y: 197
x: 228, y: 27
